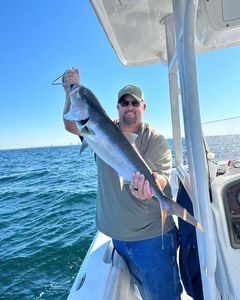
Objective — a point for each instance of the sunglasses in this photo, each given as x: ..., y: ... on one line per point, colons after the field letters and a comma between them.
x: 134, y: 103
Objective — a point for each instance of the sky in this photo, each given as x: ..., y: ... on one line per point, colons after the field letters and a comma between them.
x: 40, y: 39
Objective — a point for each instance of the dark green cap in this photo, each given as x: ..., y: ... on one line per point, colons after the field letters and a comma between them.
x: 132, y: 90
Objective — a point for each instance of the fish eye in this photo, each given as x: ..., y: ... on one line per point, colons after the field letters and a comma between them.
x: 84, y: 98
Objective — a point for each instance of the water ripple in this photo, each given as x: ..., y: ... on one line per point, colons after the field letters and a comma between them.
x: 47, y: 220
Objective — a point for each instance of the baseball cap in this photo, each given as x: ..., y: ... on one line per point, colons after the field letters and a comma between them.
x: 132, y: 90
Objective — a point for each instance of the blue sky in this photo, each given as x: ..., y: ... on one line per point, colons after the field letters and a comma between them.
x: 40, y: 39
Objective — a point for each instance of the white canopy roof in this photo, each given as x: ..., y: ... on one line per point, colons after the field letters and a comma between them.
x: 136, y: 28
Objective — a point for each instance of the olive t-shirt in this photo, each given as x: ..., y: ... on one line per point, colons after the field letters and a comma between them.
x: 119, y: 214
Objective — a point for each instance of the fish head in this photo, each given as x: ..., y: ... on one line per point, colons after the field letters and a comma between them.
x: 84, y: 106
x: 79, y: 107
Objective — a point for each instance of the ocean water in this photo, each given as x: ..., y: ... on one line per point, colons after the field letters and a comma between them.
x: 47, y: 220
x: 47, y: 217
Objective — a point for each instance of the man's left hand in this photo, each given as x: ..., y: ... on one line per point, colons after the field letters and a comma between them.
x: 140, y: 187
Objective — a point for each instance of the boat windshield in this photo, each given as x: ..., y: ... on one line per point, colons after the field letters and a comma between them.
x: 223, y: 138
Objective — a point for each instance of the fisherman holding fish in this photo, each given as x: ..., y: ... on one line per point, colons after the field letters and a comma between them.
x: 129, y: 213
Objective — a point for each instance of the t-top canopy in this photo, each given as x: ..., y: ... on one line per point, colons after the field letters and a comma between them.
x: 136, y: 28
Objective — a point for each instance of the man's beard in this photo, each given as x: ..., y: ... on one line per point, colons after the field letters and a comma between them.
x: 129, y: 120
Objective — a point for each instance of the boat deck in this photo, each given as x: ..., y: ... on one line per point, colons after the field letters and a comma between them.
x: 110, y: 280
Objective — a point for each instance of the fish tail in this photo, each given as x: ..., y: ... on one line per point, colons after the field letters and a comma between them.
x: 182, y: 213
x: 173, y: 208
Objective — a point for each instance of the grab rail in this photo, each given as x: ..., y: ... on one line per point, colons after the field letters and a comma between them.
x: 185, y: 22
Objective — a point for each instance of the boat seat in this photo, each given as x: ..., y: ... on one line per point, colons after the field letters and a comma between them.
x: 104, y: 274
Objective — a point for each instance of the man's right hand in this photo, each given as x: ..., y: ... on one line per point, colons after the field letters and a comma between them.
x: 71, y: 76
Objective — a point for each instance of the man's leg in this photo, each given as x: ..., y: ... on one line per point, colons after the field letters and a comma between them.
x: 153, y: 267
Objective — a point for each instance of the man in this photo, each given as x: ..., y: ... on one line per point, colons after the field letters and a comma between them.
x: 130, y: 215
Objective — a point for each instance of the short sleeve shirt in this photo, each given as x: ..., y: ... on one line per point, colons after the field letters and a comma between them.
x: 119, y: 214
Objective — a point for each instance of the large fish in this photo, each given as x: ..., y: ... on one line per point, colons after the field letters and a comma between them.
x: 116, y: 149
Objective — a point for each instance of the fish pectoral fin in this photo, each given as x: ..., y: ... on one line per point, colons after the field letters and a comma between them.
x: 86, y: 131
x: 84, y: 145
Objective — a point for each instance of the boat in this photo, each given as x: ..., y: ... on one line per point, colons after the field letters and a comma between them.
x: 173, y: 32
